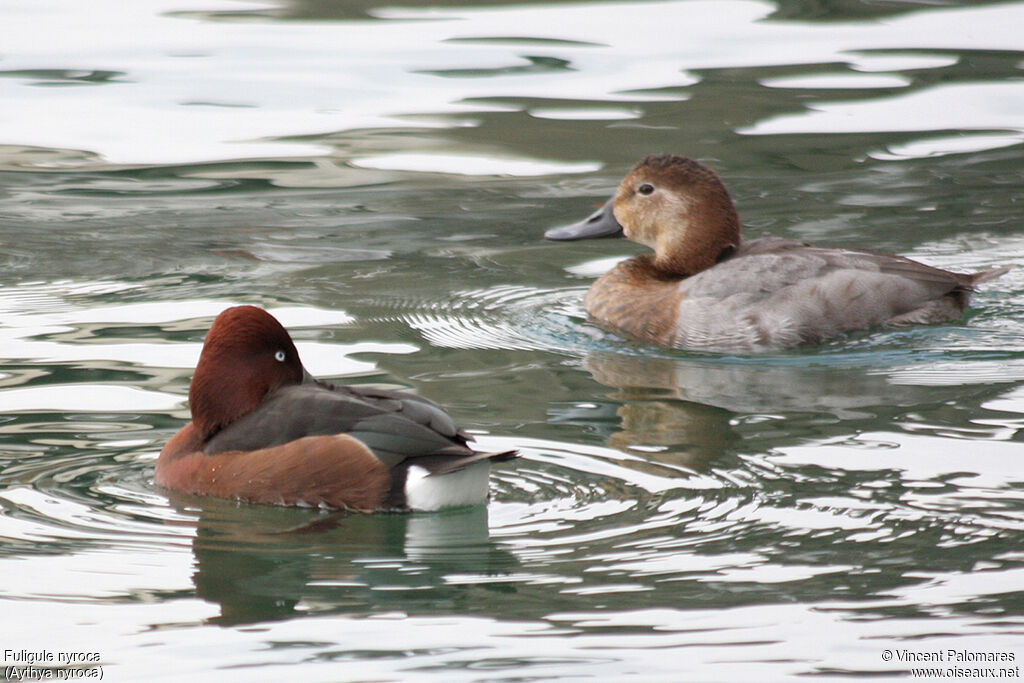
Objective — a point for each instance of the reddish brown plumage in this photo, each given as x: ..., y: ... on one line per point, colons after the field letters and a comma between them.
x: 636, y: 298
x: 332, y: 471
x: 264, y: 431
x: 689, y: 191
x: 237, y: 367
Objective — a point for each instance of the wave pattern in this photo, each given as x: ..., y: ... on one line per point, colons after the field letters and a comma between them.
x: 503, y: 317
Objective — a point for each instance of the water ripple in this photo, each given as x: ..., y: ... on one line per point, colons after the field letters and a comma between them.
x: 503, y: 317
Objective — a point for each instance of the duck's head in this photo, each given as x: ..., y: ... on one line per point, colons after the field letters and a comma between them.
x: 675, y: 205
x: 247, y: 354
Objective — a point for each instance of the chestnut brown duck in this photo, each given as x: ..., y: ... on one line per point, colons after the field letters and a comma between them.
x: 703, y: 288
x: 263, y: 430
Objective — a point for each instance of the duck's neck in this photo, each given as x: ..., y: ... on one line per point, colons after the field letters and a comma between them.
x: 707, y: 240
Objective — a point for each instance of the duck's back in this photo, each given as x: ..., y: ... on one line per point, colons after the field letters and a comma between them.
x: 777, y: 293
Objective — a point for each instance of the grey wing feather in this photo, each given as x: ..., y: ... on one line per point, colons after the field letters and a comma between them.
x: 416, y: 408
x: 395, y: 425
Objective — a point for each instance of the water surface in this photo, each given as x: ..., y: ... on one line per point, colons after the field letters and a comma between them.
x: 379, y: 176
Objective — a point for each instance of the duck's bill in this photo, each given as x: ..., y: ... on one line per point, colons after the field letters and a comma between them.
x: 601, y: 223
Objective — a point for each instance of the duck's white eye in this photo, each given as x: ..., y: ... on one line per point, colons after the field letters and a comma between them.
x: 645, y: 189
x: 279, y: 356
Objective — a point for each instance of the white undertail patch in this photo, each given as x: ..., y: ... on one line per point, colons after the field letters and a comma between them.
x: 465, y: 487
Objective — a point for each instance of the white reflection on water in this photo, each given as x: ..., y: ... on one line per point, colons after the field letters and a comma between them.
x: 846, y: 476
x: 43, y: 322
x: 945, y: 145
x: 839, y: 81
x: 672, y: 643
x: 470, y: 165
x: 87, y: 397
x: 964, y: 106
x: 235, y: 86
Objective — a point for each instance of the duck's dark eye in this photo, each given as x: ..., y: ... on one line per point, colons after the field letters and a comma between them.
x: 279, y: 356
x: 645, y: 189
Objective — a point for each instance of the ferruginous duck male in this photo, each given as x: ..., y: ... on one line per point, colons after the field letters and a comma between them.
x: 704, y: 289
x: 263, y: 430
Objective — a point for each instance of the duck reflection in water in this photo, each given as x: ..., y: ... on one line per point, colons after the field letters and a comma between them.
x: 261, y: 563
x: 696, y: 413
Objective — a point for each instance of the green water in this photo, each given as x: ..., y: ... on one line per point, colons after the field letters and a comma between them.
x: 379, y: 177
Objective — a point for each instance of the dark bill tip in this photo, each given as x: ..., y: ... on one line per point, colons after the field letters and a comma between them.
x: 601, y: 223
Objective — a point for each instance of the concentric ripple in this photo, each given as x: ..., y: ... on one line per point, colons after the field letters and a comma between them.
x: 521, y: 317
x: 503, y: 317
x: 608, y: 522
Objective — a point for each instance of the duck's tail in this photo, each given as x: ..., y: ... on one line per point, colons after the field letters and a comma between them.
x: 986, y: 275
x: 456, y: 464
